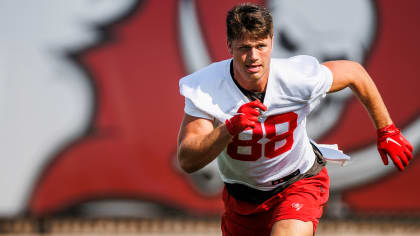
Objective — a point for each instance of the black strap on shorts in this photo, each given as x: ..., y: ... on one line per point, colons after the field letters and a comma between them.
x: 252, y: 195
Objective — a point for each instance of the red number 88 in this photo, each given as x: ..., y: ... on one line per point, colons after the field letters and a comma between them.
x: 270, y: 150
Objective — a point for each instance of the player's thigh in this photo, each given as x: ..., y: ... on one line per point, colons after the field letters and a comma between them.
x: 292, y: 227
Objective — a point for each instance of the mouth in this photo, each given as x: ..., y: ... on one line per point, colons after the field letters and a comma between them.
x: 253, y: 68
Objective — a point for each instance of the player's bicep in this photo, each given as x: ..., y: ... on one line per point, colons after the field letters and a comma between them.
x: 193, y: 128
x: 344, y: 73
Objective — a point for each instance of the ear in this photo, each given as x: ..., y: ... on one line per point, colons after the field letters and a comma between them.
x: 229, y: 45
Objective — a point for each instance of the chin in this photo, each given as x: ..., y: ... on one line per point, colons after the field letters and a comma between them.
x: 257, y: 76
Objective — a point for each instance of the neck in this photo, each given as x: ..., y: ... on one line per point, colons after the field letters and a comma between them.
x: 250, y: 84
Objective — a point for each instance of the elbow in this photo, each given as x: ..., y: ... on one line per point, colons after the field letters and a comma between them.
x: 361, y: 79
x: 186, y: 165
x: 187, y: 168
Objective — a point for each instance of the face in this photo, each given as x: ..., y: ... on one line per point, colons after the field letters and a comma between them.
x: 251, y: 61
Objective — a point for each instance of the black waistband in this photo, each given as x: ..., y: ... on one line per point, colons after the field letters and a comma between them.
x: 248, y: 194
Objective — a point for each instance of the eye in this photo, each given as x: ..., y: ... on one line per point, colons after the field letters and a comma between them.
x: 286, y: 42
x: 261, y: 46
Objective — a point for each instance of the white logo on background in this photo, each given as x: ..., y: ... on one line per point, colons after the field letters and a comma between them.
x: 47, y: 99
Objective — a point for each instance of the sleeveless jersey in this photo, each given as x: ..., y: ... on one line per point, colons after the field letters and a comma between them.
x: 279, y: 144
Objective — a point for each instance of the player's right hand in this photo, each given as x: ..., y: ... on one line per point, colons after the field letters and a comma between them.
x: 392, y: 144
x: 247, y: 116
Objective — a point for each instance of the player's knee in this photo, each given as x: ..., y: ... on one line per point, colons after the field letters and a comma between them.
x: 292, y: 227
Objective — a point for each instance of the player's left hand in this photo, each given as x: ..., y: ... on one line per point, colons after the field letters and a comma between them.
x: 392, y: 144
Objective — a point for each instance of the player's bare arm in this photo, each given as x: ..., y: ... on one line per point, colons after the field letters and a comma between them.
x: 352, y: 74
x: 199, y: 142
x: 391, y: 143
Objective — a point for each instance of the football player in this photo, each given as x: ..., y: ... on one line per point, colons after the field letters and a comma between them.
x: 250, y: 113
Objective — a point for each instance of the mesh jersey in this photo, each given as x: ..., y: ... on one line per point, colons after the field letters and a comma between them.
x: 279, y: 144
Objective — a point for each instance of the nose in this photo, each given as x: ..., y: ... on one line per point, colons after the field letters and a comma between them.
x: 253, y: 54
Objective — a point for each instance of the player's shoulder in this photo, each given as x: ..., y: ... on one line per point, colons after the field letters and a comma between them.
x: 297, y: 77
x: 209, y: 74
x: 302, y: 65
x: 210, y: 90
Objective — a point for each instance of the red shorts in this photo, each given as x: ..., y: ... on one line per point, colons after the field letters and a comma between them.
x: 304, y: 200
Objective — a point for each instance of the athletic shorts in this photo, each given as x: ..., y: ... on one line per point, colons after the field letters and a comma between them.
x: 303, y: 200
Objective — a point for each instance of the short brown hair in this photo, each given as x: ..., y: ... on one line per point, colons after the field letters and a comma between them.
x: 248, y: 19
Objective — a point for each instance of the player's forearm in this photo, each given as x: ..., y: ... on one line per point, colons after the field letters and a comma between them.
x: 366, y: 91
x: 353, y: 75
x: 197, y: 151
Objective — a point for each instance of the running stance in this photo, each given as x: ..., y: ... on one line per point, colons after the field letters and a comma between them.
x: 249, y: 112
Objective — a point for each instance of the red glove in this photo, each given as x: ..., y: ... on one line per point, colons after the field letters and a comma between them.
x: 393, y: 144
x: 246, y: 118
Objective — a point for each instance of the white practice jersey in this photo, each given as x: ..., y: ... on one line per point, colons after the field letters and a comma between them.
x: 279, y: 144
